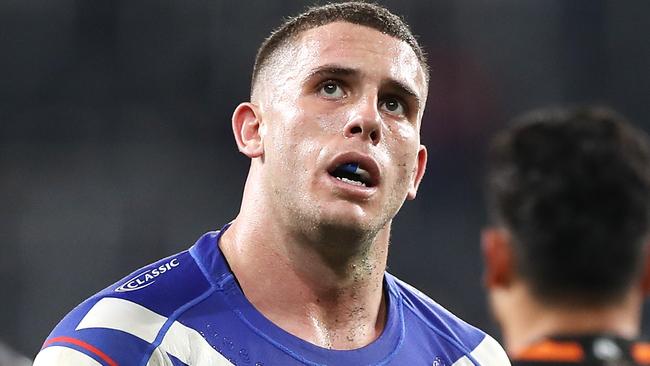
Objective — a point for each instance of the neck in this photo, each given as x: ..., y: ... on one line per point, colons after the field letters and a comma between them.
x: 311, y: 288
x: 525, y: 320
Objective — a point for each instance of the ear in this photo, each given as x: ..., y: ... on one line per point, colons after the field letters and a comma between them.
x: 248, y: 131
x: 645, y: 279
x: 496, y: 244
x: 421, y: 166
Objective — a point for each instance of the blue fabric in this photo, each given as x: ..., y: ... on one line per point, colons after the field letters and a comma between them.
x: 198, y: 290
x: 176, y: 361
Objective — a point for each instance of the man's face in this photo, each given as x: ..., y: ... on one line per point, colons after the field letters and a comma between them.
x: 340, y: 118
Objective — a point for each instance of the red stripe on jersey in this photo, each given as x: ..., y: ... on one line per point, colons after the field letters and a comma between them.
x: 83, y: 345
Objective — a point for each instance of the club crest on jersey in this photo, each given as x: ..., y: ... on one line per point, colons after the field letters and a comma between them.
x: 147, y: 277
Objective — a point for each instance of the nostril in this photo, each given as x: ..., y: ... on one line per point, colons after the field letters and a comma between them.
x: 373, y: 135
x: 355, y: 130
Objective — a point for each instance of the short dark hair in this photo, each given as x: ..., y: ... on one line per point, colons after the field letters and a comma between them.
x: 361, y: 13
x: 572, y: 186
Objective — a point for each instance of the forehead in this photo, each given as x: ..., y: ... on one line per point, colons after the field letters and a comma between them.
x: 374, y: 54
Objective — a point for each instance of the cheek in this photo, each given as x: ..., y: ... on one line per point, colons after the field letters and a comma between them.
x: 404, y: 140
x: 405, y: 132
x: 308, y: 132
x: 293, y: 146
x: 403, y: 146
x: 328, y: 123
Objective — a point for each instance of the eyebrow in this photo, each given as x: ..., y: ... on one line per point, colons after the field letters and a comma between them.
x: 326, y: 70
x: 337, y: 70
x: 404, y: 89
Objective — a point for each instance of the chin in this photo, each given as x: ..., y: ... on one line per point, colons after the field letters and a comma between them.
x: 345, y: 214
x: 349, y: 224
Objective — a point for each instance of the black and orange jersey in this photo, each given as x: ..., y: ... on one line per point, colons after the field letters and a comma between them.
x: 584, y: 350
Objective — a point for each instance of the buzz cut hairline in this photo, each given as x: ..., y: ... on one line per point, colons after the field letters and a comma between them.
x: 355, y: 12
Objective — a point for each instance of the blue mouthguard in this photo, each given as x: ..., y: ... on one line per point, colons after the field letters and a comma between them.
x: 350, y: 167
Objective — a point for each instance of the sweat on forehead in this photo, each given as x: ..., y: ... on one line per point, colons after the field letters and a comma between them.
x: 365, y: 14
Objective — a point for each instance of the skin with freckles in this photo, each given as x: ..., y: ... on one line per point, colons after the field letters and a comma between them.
x: 308, y: 249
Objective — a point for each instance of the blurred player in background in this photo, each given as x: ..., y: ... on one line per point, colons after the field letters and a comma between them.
x: 298, y: 278
x: 567, y: 250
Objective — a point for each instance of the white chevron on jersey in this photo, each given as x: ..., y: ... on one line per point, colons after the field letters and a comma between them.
x: 487, y: 353
x: 464, y: 361
x: 135, y: 319
x: 58, y: 355
x: 190, y: 347
x: 159, y: 358
x: 124, y: 315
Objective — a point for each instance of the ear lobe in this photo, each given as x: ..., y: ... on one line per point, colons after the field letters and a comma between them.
x: 645, y: 279
x: 498, y: 257
x: 247, y: 128
x: 421, y: 167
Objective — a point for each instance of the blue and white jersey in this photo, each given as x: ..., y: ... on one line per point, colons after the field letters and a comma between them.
x: 188, y: 309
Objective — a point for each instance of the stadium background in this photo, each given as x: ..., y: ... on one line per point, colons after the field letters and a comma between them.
x: 116, y: 150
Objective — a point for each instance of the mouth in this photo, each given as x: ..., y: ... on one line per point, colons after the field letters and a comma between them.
x: 360, y: 172
x: 351, y: 173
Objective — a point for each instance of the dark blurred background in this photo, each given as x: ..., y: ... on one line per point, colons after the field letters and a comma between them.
x: 116, y: 148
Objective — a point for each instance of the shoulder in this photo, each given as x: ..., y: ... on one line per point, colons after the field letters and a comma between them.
x: 457, y: 335
x: 126, y: 320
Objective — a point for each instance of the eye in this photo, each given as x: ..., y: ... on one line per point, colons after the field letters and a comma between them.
x: 331, y: 90
x: 393, y: 106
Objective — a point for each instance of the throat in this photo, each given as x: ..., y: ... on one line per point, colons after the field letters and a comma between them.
x: 323, y: 293
x: 347, y: 328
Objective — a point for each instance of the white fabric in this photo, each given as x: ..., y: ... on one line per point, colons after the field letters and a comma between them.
x: 488, y: 353
x: 63, y: 356
x: 159, y: 358
x: 190, y: 347
x: 184, y: 343
x: 464, y: 361
x: 124, y: 315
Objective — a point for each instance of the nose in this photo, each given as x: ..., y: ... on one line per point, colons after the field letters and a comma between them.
x: 364, y: 122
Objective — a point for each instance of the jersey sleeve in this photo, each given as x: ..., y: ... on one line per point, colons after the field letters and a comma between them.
x: 487, y: 353
x: 126, y: 322
x: 107, y: 332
